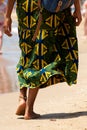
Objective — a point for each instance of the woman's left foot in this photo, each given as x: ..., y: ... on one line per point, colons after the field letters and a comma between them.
x: 22, y: 105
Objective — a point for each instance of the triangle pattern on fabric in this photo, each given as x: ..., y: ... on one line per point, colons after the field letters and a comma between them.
x: 44, y: 63
x: 49, y: 21
x: 74, y: 68
x: 34, y: 5
x: 56, y: 21
x: 44, y: 49
x: 27, y: 33
x: 57, y: 58
x: 65, y: 45
x: 61, y: 31
x: 25, y: 6
x: 32, y: 22
x: 72, y: 41
x: 43, y: 78
x: 75, y: 54
x: 47, y: 74
x: 25, y: 21
x: 44, y: 34
x: 26, y: 47
x: 69, y: 57
x: 36, y: 64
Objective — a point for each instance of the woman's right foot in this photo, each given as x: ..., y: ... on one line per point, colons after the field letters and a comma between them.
x: 32, y: 115
x: 22, y: 105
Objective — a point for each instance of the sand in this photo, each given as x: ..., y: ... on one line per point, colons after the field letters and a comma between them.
x: 61, y: 107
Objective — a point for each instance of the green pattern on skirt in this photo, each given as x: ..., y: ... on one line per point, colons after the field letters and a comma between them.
x: 53, y: 57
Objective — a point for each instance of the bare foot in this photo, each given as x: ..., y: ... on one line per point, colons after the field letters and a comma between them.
x: 32, y: 115
x: 21, y: 108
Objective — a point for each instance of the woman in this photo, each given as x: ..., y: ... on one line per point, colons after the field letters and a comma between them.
x: 85, y: 17
x: 2, y: 16
x: 51, y: 58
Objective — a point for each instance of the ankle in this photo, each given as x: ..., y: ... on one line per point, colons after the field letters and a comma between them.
x: 23, y: 92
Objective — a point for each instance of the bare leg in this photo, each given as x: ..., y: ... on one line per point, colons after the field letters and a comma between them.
x: 29, y: 113
x: 22, y: 102
x: 85, y: 25
x: 1, y: 35
x: 23, y: 92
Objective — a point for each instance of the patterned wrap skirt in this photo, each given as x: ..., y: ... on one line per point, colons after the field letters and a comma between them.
x: 53, y: 57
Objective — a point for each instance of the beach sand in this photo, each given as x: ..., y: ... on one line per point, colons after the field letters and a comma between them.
x: 62, y: 107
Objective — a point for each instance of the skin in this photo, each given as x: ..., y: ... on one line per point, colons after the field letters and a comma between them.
x: 77, y: 13
x: 1, y: 26
x: 26, y: 107
x: 85, y: 18
x: 8, y: 20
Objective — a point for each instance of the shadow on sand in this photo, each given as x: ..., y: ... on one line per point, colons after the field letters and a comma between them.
x: 64, y: 115
x: 55, y: 116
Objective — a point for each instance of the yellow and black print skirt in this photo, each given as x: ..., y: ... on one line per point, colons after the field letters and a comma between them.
x: 53, y: 57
